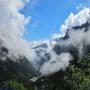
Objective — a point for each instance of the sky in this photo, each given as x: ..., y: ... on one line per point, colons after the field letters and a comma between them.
x: 45, y: 19
x: 48, y: 15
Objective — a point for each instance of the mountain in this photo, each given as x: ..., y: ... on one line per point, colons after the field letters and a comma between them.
x: 74, y: 77
x: 77, y: 43
x: 77, y: 74
x: 55, y: 64
x: 20, y: 69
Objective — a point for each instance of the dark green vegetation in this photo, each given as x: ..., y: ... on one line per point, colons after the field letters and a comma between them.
x: 16, y: 74
x: 15, y: 85
x: 76, y: 77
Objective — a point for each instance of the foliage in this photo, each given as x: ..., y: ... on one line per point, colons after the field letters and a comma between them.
x: 14, y: 84
x: 78, y: 78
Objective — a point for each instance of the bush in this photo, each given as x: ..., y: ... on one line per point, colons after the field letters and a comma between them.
x: 14, y: 84
x: 78, y: 78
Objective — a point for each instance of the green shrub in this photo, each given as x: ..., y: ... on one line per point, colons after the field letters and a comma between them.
x: 14, y: 84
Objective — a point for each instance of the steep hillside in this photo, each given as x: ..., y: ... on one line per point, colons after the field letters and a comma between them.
x: 20, y: 69
x: 74, y: 78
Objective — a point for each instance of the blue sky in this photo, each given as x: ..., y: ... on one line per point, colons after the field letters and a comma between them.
x: 48, y: 16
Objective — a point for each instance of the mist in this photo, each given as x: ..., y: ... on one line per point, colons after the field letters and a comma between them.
x: 51, y: 55
x: 12, y: 29
x: 73, y: 44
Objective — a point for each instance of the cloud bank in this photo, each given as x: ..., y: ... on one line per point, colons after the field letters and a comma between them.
x: 12, y: 27
x: 74, y: 44
x: 56, y: 63
x: 72, y: 21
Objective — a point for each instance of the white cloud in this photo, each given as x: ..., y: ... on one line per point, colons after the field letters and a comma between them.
x: 75, y: 20
x: 56, y: 36
x: 72, y: 21
x: 77, y: 38
x: 50, y: 44
x: 12, y: 24
x: 56, y: 63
